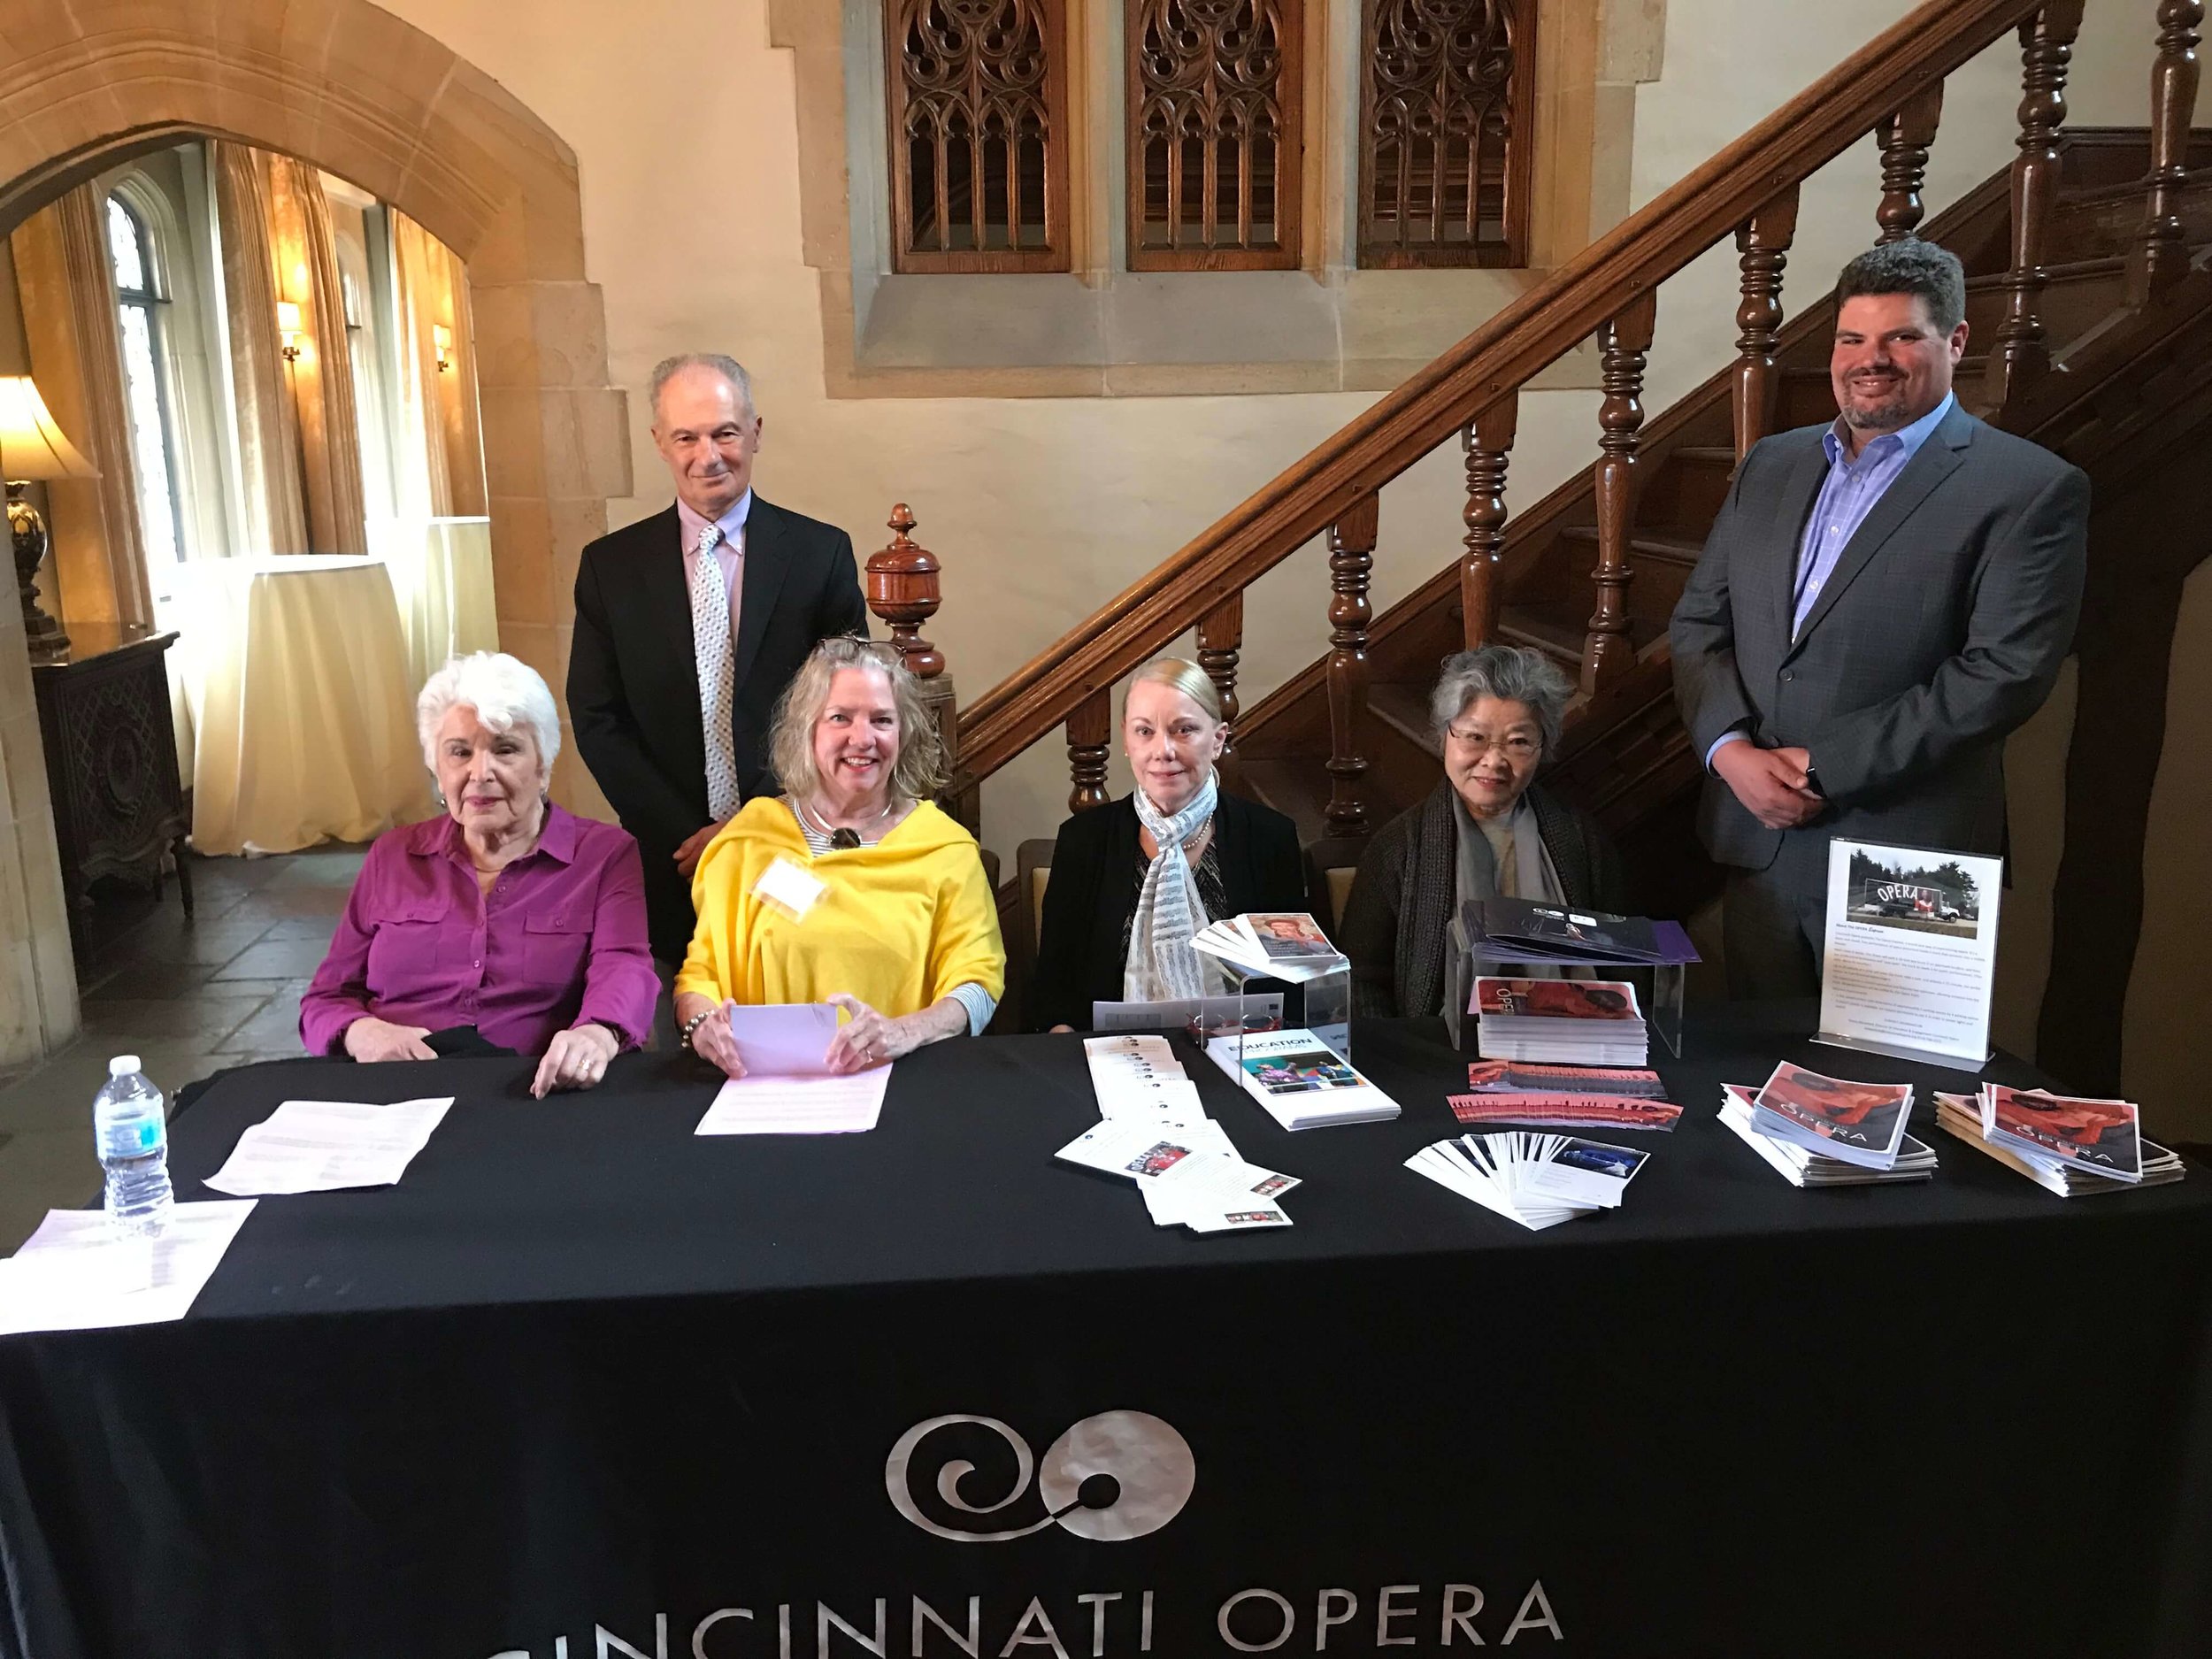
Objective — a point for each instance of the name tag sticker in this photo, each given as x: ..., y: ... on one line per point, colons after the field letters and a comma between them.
x: 789, y: 888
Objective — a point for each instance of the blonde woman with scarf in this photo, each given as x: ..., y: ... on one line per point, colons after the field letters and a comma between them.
x: 1133, y: 879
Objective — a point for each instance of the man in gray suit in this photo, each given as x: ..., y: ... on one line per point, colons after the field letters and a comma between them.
x: 1881, y: 601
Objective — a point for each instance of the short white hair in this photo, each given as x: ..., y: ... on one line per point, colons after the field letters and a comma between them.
x: 728, y: 367
x: 504, y: 690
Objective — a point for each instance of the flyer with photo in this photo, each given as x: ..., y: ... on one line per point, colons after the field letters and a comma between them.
x: 1861, y: 1123
x: 2102, y: 1135
x: 1910, y: 956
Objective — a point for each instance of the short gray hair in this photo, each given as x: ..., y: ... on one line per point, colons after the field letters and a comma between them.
x: 920, y: 771
x: 1511, y: 673
x: 504, y: 690
x: 1911, y: 267
x: 729, y: 368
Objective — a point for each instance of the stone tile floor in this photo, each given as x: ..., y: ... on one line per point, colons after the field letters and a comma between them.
x: 187, y: 997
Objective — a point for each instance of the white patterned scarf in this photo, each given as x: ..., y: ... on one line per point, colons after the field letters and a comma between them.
x: 1161, y: 967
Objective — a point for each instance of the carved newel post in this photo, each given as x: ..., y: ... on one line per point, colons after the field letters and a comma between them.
x: 903, y: 592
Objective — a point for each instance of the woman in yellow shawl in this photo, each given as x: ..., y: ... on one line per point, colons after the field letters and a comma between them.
x: 852, y: 888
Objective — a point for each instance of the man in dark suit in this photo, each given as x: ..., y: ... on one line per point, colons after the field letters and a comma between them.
x: 1881, y: 601
x: 712, y: 605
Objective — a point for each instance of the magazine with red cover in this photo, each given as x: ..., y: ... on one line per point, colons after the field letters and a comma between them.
x: 1556, y: 999
x: 2101, y: 1136
x: 1865, y: 1118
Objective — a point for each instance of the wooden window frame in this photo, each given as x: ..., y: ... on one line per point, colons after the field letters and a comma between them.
x: 1055, y: 255
x: 1373, y: 254
x: 1285, y: 253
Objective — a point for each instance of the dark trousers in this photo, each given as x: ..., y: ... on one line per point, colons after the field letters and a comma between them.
x: 1774, y: 922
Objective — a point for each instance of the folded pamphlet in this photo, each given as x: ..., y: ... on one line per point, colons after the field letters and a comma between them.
x: 2066, y: 1132
x: 1970, y: 1118
x: 1801, y: 1165
x: 1299, y: 1081
x: 1857, y: 1123
x: 1278, y: 944
x: 1537, y: 1180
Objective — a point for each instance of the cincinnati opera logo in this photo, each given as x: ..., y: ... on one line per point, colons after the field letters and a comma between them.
x: 1117, y: 1475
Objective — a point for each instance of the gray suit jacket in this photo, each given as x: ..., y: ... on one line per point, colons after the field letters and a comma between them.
x: 1939, y: 631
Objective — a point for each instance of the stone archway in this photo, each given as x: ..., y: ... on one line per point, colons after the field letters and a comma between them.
x: 355, y: 90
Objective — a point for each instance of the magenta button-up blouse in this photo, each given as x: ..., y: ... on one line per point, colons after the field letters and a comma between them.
x: 559, y: 940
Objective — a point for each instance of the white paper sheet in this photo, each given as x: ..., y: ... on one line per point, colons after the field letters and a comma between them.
x: 1909, y: 958
x: 75, y: 1274
x: 326, y: 1146
x: 797, y: 1105
x: 784, y: 1038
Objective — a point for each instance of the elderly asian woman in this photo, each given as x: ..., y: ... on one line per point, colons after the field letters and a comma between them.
x: 505, y: 913
x: 852, y: 888
x: 1486, y: 831
x: 1133, y: 879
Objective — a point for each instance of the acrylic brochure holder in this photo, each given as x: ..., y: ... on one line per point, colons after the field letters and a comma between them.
x: 1321, y: 1005
x: 1659, y: 989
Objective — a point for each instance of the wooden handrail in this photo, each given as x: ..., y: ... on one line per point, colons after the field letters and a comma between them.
x: 1497, y: 359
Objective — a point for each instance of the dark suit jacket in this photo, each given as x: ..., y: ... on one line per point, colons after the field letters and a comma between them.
x: 633, y: 688
x: 1095, y: 877
x: 1939, y: 631
x: 1406, y: 891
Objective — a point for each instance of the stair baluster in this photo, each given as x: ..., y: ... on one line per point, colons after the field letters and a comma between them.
x: 2162, y: 257
x: 1090, y: 730
x: 1906, y: 138
x: 1488, y: 441
x: 1220, y: 643
x: 1351, y: 559
x: 1763, y: 247
x: 1623, y: 344
x: 2046, y: 46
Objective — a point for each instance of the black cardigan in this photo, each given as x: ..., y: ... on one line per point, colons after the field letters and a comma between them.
x: 1096, y: 870
x: 1406, y: 888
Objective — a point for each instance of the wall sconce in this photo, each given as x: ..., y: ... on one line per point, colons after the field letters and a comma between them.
x: 441, y: 344
x: 289, y: 328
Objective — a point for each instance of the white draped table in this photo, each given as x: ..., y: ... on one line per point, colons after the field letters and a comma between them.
x: 301, y: 694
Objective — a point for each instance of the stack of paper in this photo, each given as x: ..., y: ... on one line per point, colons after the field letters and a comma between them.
x: 1280, y: 944
x: 1537, y: 1180
x: 1857, y: 1123
x: 1798, y: 1164
x: 788, y: 1088
x: 2070, y: 1145
x: 1570, y: 1022
x: 325, y: 1145
x: 1299, y: 1080
x: 1565, y: 1096
x: 1188, y: 1172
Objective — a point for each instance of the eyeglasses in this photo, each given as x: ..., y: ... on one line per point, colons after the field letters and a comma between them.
x: 1514, y: 746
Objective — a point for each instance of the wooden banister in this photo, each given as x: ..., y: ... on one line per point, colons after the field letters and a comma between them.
x: 1705, y: 207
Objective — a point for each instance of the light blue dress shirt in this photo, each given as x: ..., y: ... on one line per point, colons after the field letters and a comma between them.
x: 1848, y: 494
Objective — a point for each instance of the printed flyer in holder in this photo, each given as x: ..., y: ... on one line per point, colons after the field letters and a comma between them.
x: 1910, y: 957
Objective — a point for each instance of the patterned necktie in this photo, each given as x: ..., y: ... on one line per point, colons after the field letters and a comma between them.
x: 717, y: 674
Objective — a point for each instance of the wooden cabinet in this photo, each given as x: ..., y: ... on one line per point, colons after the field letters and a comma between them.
x: 112, y: 757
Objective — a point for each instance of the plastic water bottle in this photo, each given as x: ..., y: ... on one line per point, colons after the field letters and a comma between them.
x: 132, y: 1133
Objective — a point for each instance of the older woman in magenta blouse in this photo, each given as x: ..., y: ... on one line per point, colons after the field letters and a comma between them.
x: 508, y: 914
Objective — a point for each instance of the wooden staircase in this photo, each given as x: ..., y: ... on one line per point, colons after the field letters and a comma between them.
x: 2090, y: 307
x: 1627, y: 758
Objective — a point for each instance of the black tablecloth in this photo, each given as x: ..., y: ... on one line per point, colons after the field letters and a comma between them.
x: 583, y: 1381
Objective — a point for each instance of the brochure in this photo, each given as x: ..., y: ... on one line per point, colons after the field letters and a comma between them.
x: 1299, y: 1080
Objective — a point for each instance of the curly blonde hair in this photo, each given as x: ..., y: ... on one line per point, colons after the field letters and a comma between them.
x: 920, y: 771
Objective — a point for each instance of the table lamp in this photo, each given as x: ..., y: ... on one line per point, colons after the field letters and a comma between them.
x: 32, y: 446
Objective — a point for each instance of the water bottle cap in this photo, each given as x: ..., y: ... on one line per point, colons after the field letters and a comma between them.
x: 123, y: 1065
